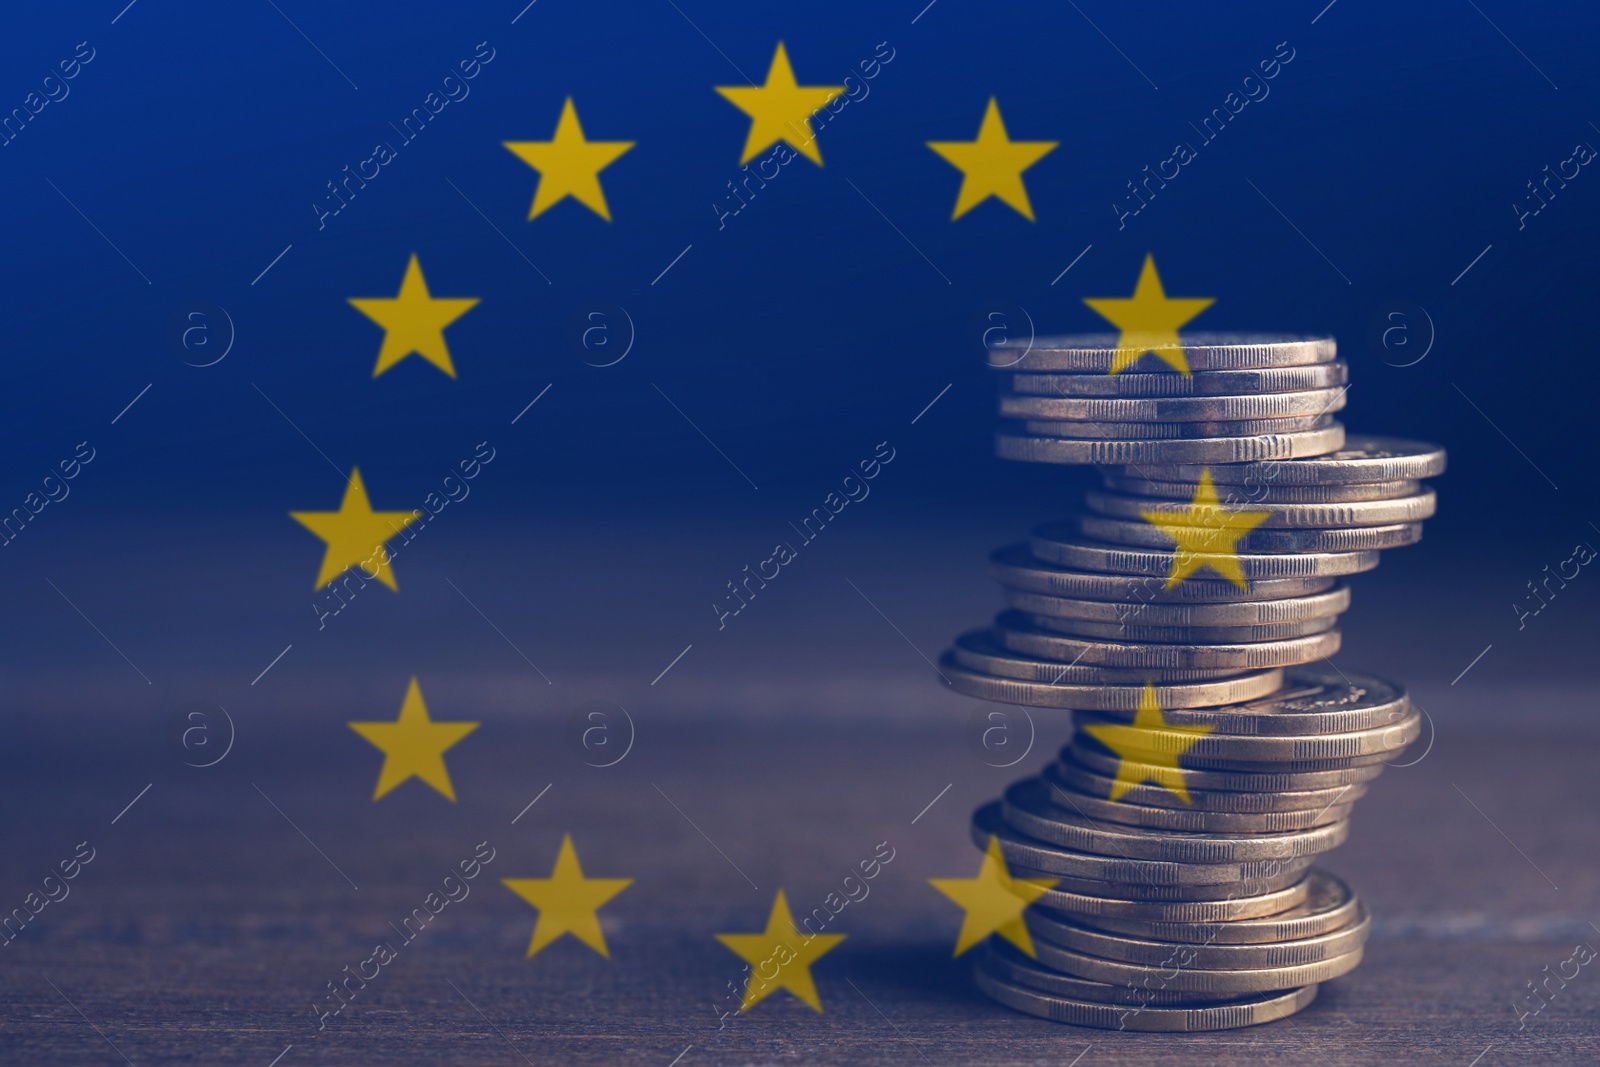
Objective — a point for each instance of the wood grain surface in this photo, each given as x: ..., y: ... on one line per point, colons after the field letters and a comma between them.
x: 220, y: 904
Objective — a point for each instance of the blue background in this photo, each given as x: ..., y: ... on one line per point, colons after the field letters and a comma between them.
x: 796, y: 338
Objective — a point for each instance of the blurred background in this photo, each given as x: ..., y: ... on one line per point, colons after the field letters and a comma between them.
x: 1384, y: 190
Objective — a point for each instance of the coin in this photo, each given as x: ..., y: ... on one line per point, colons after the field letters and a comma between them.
x: 1235, y: 902
x: 1173, y: 409
x: 1363, y: 458
x: 1405, y: 509
x: 1026, y: 851
x: 1088, y: 753
x: 1351, y: 539
x: 1150, y: 794
x: 1321, y: 605
x: 1314, y: 701
x: 1135, y: 630
x: 1251, y: 748
x: 1197, y: 450
x: 1016, y: 632
x: 1226, y: 1016
x: 1110, y: 697
x: 1014, y: 966
x: 1161, y: 431
x: 1376, y: 759
x: 1265, y: 495
x: 1198, y: 820
x: 981, y: 652
x: 1328, y: 905
x: 1029, y: 807
x: 1062, y: 545
x: 1255, y: 748
x: 1203, y: 351
x: 1017, y: 567
x: 1285, y: 875
x: 1201, y: 383
x: 1188, y: 819
x: 1184, y: 976
x: 1333, y: 944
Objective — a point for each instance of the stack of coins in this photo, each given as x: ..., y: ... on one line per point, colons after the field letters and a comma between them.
x: 1185, y: 616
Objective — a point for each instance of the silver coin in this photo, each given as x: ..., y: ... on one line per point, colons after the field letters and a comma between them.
x: 1147, y: 1017
x: 980, y: 651
x: 1016, y: 567
x: 1261, y: 495
x: 1174, y: 409
x: 1087, y: 753
x: 1404, y: 509
x: 1314, y: 701
x: 1333, y: 944
x: 1265, y: 541
x: 1136, y: 630
x: 1016, y: 632
x: 1286, y: 875
x: 1376, y: 759
x: 1151, y: 1016
x: 1111, y: 697
x: 1202, y: 450
x: 1382, y: 740
x: 1323, y: 605
x: 1021, y: 850
x: 1201, y: 383
x: 1013, y: 965
x: 1164, y: 431
x: 1107, y: 900
x: 1149, y: 794
x: 1195, y: 820
x: 1180, y: 811
x: 1363, y: 458
x: 1178, y: 972
x: 1029, y: 807
x: 1329, y: 905
x: 1062, y: 546
x: 1203, y: 351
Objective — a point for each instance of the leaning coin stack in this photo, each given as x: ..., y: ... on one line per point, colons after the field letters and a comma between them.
x: 1185, y: 616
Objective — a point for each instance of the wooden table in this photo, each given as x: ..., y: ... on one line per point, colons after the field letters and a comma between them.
x: 219, y: 905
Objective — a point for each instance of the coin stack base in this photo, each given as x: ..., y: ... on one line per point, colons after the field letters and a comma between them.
x: 1180, y: 616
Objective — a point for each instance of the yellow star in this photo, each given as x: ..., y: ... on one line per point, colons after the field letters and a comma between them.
x: 568, y: 165
x: 1206, y: 534
x: 1142, y: 758
x: 780, y: 110
x: 787, y: 951
x: 413, y: 321
x: 994, y: 901
x: 992, y: 165
x: 355, y: 534
x: 567, y: 901
x: 413, y: 745
x: 1149, y: 321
